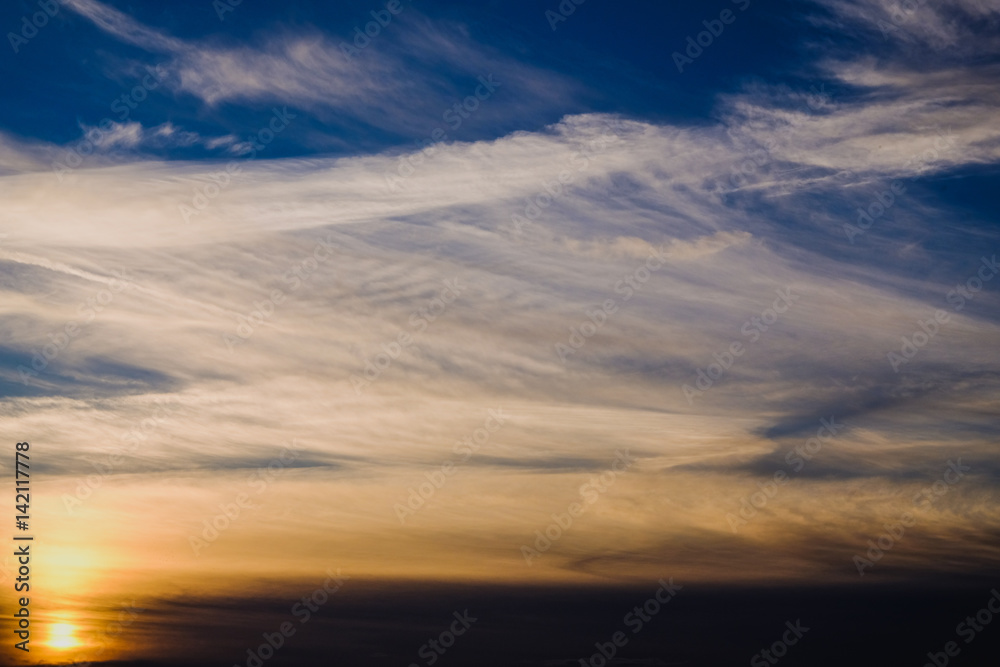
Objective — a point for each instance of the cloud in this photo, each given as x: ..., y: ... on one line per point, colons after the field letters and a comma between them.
x: 403, y: 85
x: 123, y: 26
x: 242, y: 319
x: 133, y: 137
x: 19, y: 156
x: 119, y: 135
x: 179, y: 333
x: 636, y: 248
x: 954, y: 29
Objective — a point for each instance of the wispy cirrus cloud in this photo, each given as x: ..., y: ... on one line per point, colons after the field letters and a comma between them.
x: 132, y: 136
x: 655, y: 188
x: 400, y: 85
x: 247, y: 262
x: 930, y: 31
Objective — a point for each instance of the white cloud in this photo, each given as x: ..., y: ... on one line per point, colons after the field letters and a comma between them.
x: 132, y: 136
x: 951, y: 28
x: 395, y: 84
x: 120, y: 135
x: 730, y: 248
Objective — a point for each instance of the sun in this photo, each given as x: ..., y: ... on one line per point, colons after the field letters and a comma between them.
x: 61, y: 636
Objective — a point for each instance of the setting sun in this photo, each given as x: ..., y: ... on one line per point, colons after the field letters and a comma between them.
x: 61, y: 636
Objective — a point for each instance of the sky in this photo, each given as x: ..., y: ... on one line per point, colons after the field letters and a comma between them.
x: 530, y: 310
